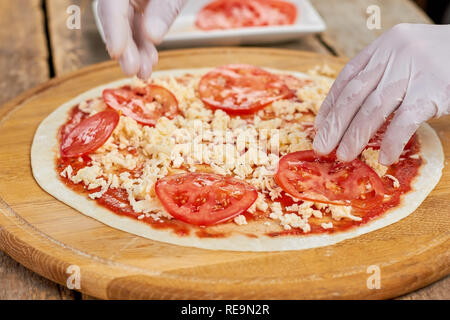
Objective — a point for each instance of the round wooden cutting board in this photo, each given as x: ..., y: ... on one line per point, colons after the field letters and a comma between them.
x: 56, y: 241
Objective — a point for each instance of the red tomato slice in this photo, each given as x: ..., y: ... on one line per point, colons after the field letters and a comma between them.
x: 222, y: 14
x: 294, y: 83
x: 228, y: 14
x: 75, y: 117
x: 241, y: 88
x: 204, y: 199
x: 307, y: 176
x: 132, y: 103
x: 90, y: 134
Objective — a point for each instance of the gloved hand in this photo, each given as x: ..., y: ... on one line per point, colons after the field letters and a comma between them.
x: 133, y: 27
x: 406, y: 70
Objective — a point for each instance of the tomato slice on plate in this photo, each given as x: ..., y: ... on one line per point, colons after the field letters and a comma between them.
x: 241, y: 88
x: 308, y: 176
x: 226, y: 14
x: 203, y: 198
x: 279, y: 12
x: 90, y: 134
x: 229, y: 14
x: 145, y: 105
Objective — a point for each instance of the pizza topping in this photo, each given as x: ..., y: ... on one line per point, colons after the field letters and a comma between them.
x: 92, y: 106
x: 308, y: 176
x: 240, y: 220
x: 241, y: 89
x: 370, y: 157
x: 289, y: 220
x: 204, y: 199
x: 67, y: 172
x: 90, y: 134
x: 143, y: 104
x: 328, y: 225
x: 293, y: 82
x: 227, y: 14
x: 305, y: 209
x: 395, y: 182
x: 76, y: 115
x: 122, y: 173
x: 339, y: 212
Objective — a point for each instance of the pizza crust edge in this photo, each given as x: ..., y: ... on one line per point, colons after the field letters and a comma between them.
x: 43, y: 167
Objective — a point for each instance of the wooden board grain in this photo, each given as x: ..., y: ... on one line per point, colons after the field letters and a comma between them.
x: 23, y: 65
x: 48, y: 236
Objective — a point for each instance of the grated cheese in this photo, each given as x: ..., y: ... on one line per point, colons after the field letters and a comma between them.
x: 202, y: 139
x: 328, y: 225
x: 370, y: 157
x: 240, y: 220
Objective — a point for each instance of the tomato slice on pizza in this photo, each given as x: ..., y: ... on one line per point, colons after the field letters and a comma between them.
x: 90, y: 134
x: 227, y: 14
x: 145, y: 105
x: 308, y: 176
x: 241, y: 89
x: 293, y: 82
x: 203, y: 198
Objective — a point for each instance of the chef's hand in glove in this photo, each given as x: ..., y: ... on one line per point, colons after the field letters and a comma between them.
x: 132, y: 29
x: 406, y: 71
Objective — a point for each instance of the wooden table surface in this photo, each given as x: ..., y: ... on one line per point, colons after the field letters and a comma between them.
x: 36, y: 45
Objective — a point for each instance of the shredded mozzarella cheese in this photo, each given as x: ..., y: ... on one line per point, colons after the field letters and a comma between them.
x: 136, y: 156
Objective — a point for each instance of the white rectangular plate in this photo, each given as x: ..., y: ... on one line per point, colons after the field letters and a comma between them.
x: 183, y: 32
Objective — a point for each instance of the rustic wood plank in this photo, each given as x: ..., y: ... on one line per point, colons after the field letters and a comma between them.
x: 17, y: 282
x: 347, y: 31
x: 23, y: 51
x: 439, y: 290
x: 73, y: 48
x: 23, y: 64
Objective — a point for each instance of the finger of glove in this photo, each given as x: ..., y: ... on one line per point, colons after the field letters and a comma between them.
x: 146, y: 68
x: 159, y: 16
x: 130, y: 59
x: 114, y: 19
x: 372, y: 114
x: 406, y: 121
x: 348, y: 103
x: 147, y: 51
x: 353, y: 67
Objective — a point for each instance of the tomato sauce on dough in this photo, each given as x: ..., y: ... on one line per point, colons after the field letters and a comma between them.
x: 116, y: 200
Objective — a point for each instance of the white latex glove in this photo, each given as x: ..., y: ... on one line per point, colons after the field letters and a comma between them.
x: 406, y: 70
x: 132, y: 29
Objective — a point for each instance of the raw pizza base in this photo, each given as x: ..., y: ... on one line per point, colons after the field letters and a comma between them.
x: 45, y: 146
